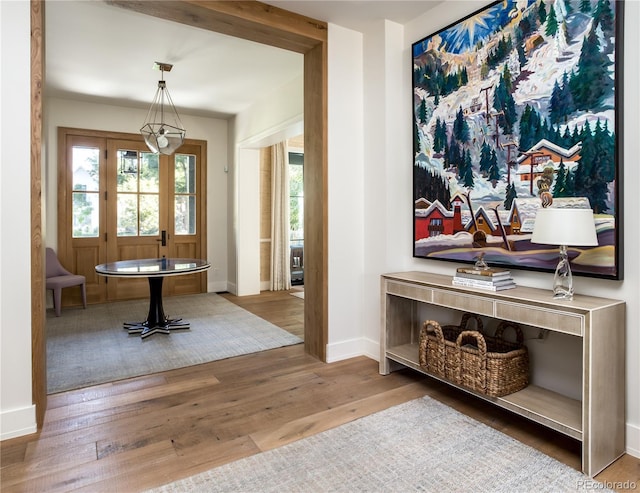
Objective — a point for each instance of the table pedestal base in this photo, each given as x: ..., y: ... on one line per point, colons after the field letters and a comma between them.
x: 156, y: 320
x: 145, y: 329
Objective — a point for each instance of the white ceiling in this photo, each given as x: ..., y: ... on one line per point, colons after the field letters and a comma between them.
x: 102, y: 53
x: 357, y: 14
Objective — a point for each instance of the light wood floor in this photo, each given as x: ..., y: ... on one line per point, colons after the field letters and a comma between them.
x: 139, y: 433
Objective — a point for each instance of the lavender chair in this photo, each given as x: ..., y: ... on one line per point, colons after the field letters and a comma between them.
x: 58, y: 277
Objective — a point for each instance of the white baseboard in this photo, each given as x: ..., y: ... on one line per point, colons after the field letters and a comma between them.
x: 217, y: 287
x: 351, y: 348
x: 633, y: 440
x: 265, y: 285
x: 18, y: 422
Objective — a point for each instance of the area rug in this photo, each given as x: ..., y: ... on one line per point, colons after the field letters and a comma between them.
x: 298, y: 294
x: 422, y: 445
x: 89, y: 347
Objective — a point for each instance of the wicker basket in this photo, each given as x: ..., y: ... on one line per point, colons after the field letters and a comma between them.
x: 437, y: 346
x: 491, y: 365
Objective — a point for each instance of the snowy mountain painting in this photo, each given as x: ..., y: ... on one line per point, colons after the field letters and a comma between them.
x: 516, y: 104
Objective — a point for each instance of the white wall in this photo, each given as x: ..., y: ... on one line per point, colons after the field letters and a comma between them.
x: 80, y: 114
x: 17, y: 413
x: 247, y: 212
x: 268, y: 120
x: 275, y: 118
x: 347, y: 196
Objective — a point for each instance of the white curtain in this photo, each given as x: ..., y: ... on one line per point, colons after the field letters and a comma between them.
x: 280, y: 268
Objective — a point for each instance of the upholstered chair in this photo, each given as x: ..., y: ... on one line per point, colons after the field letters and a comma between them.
x: 58, y: 278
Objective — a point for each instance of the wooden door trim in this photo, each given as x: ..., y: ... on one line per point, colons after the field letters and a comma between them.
x: 38, y: 336
x: 243, y: 19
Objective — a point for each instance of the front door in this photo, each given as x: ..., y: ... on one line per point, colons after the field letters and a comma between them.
x: 119, y: 201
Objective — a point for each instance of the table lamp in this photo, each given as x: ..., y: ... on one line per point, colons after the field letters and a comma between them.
x: 563, y: 227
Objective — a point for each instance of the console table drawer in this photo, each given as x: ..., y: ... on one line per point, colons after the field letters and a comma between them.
x: 459, y: 301
x: 537, y: 317
x: 410, y: 291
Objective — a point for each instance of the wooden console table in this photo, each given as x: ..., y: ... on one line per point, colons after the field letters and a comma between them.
x: 597, y: 420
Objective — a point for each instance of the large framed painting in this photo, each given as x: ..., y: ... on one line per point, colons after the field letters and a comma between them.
x: 515, y: 105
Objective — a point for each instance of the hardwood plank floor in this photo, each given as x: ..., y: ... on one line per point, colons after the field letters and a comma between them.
x: 280, y: 308
x: 140, y: 433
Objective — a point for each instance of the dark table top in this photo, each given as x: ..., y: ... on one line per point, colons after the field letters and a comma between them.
x: 153, y: 267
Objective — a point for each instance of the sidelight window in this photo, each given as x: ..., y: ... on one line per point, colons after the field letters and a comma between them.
x: 185, y: 194
x: 85, y: 192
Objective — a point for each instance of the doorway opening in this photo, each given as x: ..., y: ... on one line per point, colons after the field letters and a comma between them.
x: 296, y: 34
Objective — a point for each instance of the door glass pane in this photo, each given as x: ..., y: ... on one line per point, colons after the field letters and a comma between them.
x: 138, y: 198
x: 149, y: 215
x: 185, y: 177
x: 85, y: 192
x: 149, y: 172
x: 86, y: 169
x: 85, y: 214
x: 185, y: 215
x: 127, y: 171
x: 127, y: 214
x: 185, y: 194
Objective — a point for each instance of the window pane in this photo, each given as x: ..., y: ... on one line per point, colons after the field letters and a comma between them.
x: 185, y: 213
x: 296, y: 218
x: 149, y: 215
x: 127, y: 171
x: 127, y: 214
x: 296, y: 199
x: 86, y: 168
x: 149, y: 175
x: 185, y: 175
x: 296, y: 183
x: 85, y: 214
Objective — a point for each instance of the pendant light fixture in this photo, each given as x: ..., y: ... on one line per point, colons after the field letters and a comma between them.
x: 162, y: 130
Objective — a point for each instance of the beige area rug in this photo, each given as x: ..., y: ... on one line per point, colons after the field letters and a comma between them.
x: 89, y: 347
x: 298, y: 294
x: 422, y: 445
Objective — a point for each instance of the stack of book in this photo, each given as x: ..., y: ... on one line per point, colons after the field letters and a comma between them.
x: 492, y: 279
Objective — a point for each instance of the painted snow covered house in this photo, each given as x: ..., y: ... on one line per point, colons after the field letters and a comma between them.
x: 422, y: 203
x: 432, y: 221
x: 481, y: 221
x: 513, y: 225
x: 531, y: 164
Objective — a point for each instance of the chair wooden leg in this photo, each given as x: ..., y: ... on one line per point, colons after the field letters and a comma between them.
x: 83, y: 288
x: 57, y: 301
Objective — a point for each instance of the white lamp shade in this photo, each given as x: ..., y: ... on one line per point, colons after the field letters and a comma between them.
x: 554, y: 226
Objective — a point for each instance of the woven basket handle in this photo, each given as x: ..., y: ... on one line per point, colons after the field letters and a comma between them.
x: 482, y: 349
x: 482, y: 344
x: 436, y: 328
x: 466, y: 317
x: 505, y: 325
x: 432, y: 326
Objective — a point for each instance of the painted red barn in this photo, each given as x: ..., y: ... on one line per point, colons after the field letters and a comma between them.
x: 433, y: 221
